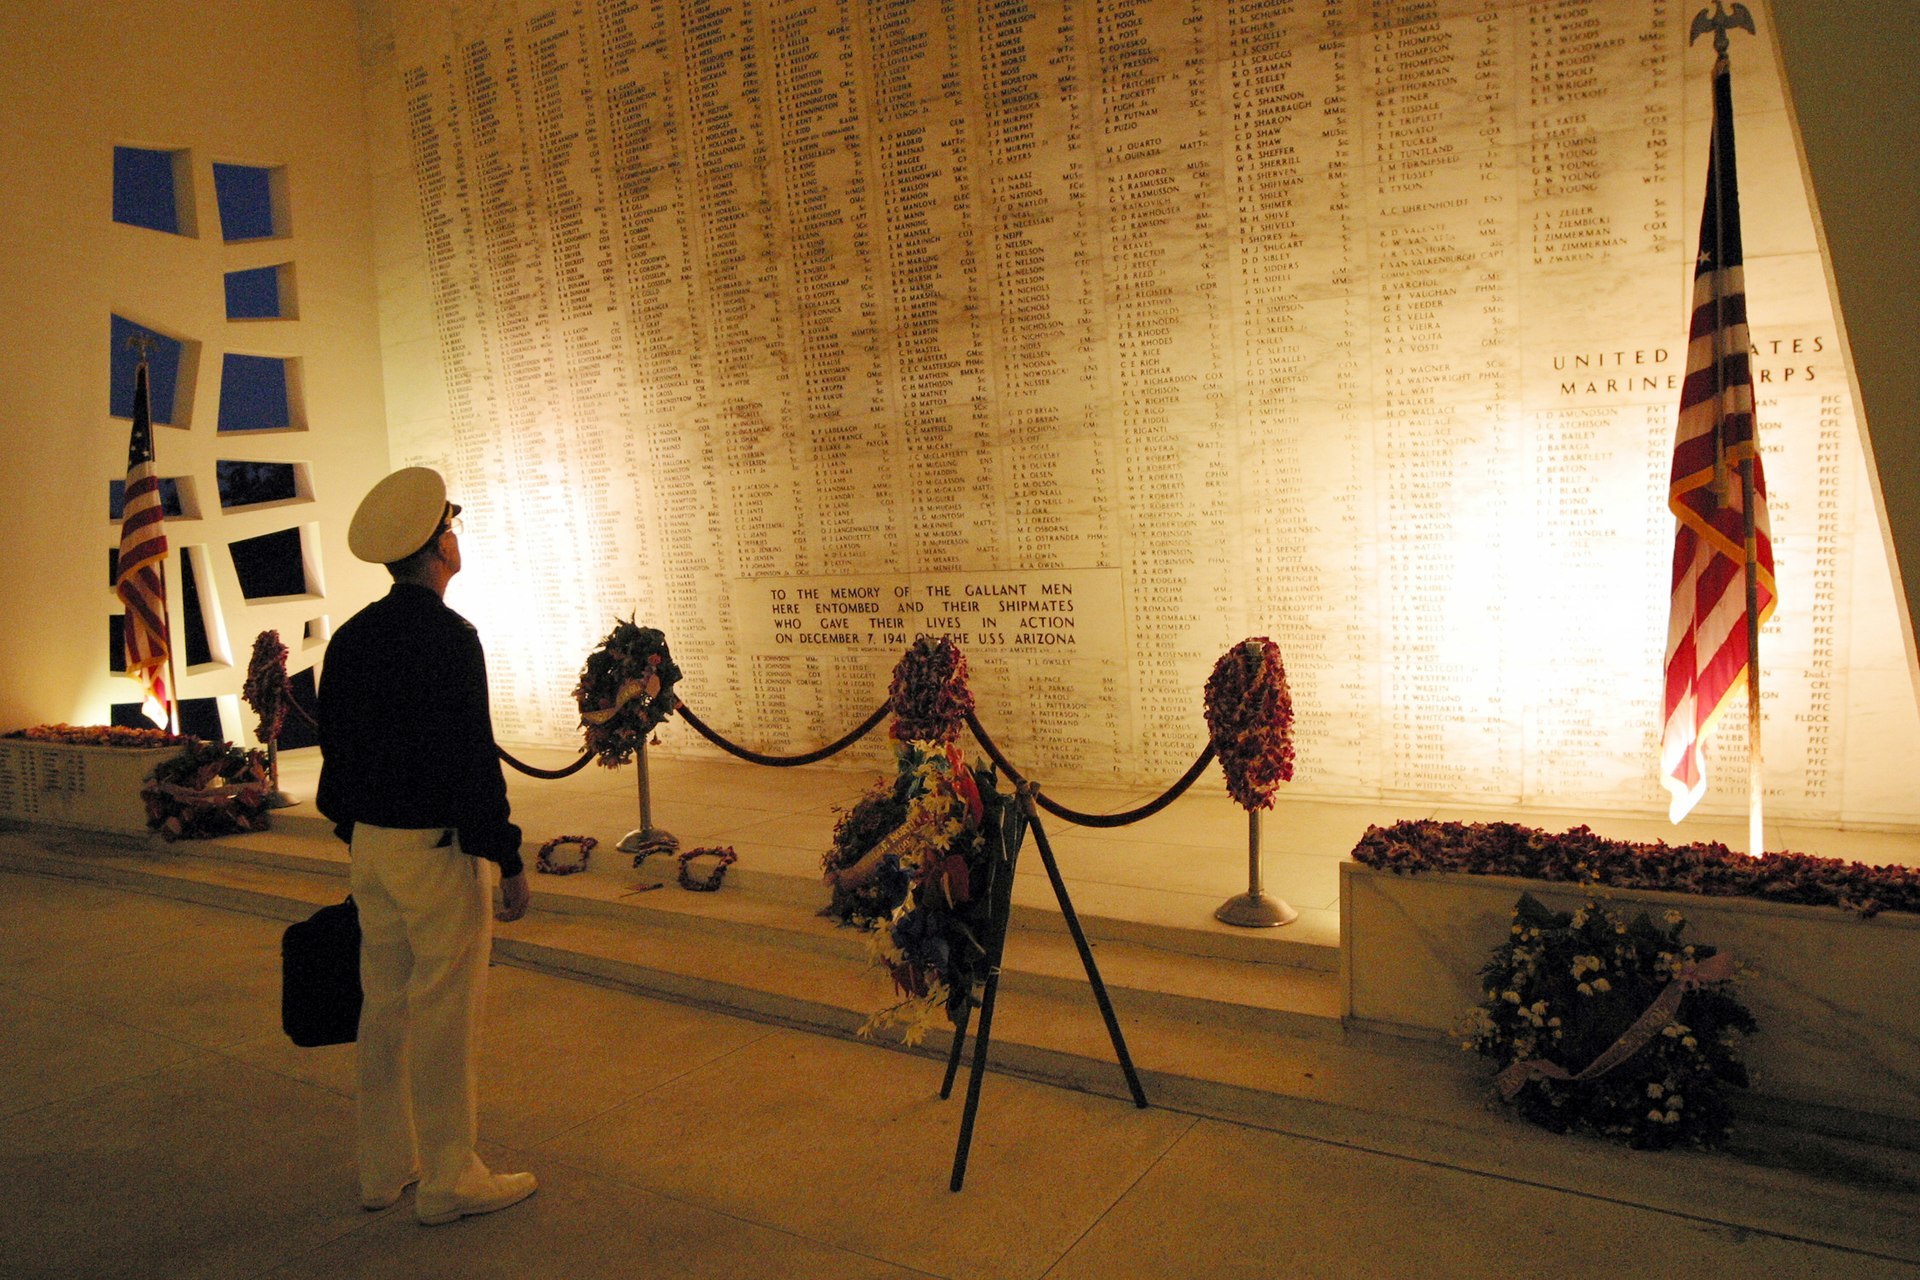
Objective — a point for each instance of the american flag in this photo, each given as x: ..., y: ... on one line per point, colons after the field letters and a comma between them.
x: 142, y: 584
x: 1707, y: 629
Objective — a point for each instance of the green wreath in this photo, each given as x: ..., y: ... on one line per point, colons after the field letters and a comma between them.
x: 625, y: 691
x: 1611, y: 1027
x: 210, y: 789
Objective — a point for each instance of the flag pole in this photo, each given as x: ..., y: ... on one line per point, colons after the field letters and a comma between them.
x: 1719, y: 23
x: 173, y: 681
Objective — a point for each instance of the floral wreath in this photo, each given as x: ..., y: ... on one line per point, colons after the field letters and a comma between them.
x: 913, y: 862
x: 625, y: 690
x: 929, y: 694
x: 266, y: 688
x: 1614, y: 1028
x: 1250, y: 715
x: 210, y: 789
x: 544, y: 862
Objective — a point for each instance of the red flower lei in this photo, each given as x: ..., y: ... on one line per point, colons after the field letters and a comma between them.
x: 1250, y: 715
x: 265, y: 689
x: 929, y: 694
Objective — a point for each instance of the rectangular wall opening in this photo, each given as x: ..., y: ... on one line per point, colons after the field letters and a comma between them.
x: 153, y: 188
x: 247, y: 485
x: 258, y: 393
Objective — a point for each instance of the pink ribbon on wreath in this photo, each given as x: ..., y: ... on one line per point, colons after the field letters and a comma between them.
x: 1715, y: 968
x: 211, y: 797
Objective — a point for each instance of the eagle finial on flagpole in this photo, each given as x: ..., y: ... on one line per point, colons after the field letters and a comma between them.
x: 1720, y: 21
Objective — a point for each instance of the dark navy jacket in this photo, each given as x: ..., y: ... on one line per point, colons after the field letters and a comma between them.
x: 406, y: 736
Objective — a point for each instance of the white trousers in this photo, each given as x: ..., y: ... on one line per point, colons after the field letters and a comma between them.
x: 426, y: 928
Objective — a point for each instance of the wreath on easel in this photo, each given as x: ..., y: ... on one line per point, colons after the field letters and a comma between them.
x: 625, y: 691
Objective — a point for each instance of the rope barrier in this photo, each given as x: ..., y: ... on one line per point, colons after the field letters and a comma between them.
x: 867, y: 726
x: 784, y: 762
x: 1074, y: 816
x: 304, y: 713
x: 565, y: 771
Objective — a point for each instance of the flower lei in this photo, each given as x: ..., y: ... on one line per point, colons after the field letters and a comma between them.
x: 727, y: 857
x: 209, y: 789
x: 929, y: 693
x: 266, y: 688
x: 99, y: 735
x: 1614, y: 1028
x: 544, y: 860
x: 880, y: 843
x: 625, y: 690
x: 1250, y: 715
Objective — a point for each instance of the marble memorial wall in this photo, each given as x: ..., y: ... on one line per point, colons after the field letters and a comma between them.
x: 1099, y: 334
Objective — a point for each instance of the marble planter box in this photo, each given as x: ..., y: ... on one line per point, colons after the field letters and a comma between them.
x: 95, y: 788
x: 1837, y: 997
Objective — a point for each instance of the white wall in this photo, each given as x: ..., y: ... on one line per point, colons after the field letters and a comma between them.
x: 279, y: 83
x: 275, y: 83
x: 1856, y: 98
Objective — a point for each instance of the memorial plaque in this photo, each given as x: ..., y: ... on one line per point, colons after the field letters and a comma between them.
x: 1100, y: 334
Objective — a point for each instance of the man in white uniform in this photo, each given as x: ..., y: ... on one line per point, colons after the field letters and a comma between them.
x: 410, y: 778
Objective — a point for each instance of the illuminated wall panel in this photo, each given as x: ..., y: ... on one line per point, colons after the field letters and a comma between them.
x: 1102, y: 333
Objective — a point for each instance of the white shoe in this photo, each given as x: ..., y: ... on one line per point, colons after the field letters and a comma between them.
x: 502, y: 1189
x: 373, y: 1203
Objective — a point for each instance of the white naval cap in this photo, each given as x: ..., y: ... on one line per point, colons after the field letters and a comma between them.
x: 399, y: 515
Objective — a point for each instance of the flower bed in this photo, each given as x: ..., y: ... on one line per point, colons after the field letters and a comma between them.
x: 1579, y: 856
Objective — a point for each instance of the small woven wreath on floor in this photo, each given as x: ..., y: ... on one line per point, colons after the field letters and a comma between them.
x: 210, y: 789
x: 546, y: 863
x: 727, y: 857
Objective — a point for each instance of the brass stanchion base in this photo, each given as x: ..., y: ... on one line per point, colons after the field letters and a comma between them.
x: 647, y: 841
x: 1255, y: 911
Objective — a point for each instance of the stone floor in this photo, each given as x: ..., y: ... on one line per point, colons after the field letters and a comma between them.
x: 154, y: 1123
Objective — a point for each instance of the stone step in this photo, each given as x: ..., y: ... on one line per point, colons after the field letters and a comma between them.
x: 1254, y: 1049
x: 300, y: 835
x: 753, y: 929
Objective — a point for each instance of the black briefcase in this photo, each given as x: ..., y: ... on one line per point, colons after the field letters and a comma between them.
x: 320, y: 977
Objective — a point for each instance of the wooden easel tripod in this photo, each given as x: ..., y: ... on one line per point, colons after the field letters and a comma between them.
x: 1002, y: 900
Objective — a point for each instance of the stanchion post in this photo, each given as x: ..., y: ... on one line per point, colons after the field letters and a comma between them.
x: 647, y: 839
x: 1254, y: 909
x: 276, y: 799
